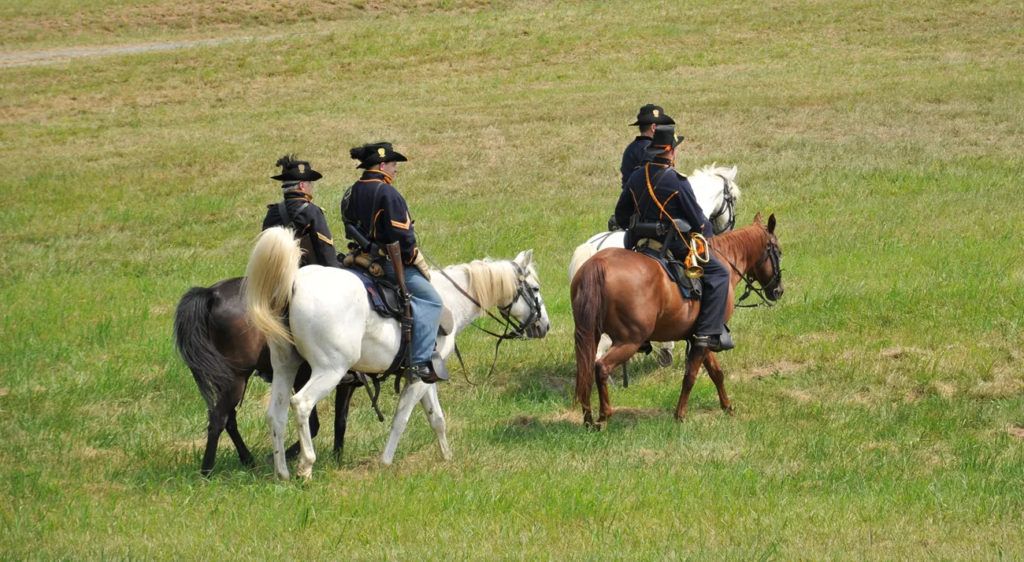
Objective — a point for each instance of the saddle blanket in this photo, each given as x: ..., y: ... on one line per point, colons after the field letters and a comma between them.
x: 688, y: 288
x: 383, y: 298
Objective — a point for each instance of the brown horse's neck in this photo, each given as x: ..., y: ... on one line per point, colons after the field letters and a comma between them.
x: 742, y: 248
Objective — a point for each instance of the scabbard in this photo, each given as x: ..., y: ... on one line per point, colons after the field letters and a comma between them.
x: 395, y: 255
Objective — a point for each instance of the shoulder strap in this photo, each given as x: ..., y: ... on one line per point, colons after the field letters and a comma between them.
x: 282, y: 210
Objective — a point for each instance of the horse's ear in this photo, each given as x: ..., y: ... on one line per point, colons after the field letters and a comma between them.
x: 757, y: 218
x: 733, y: 172
x: 525, y: 257
x: 771, y: 224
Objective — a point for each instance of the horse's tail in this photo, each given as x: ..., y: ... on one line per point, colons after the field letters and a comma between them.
x: 209, y: 368
x: 273, y: 266
x: 583, y: 253
x: 588, y: 315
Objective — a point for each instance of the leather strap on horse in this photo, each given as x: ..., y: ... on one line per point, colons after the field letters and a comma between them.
x: 500, y: 337
x: 749, y: 288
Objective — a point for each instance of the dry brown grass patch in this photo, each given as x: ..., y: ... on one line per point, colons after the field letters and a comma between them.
x: 781, y: 367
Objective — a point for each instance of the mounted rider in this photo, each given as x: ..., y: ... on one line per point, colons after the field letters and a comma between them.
x: 655, y: 194
x: 636, y: 154
x: 298, y: 212
x: 375, y: 213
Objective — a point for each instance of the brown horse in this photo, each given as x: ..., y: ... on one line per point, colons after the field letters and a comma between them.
x: 628, y: 296
x: 214, y: 338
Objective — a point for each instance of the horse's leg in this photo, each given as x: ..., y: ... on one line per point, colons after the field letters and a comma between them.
x: 243, y: 452
x: 602, y: 369
x: 285, y: 364
x: 411, y: 394
x: 694, y: 359
x: 220, y: 417
x: 603, y: 345
x: 314, y: 421
x: 321, y: 383
x: 342, y: 400
x: 716, y: 374
x: 665, y: 356
x: 432, y: 407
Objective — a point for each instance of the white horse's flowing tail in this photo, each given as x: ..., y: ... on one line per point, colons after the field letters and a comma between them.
x: 583, y: 253
x: 273, y: 266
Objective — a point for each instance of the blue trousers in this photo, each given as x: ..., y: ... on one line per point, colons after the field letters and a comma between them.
x: 426, y: 312
x: 714, y: 294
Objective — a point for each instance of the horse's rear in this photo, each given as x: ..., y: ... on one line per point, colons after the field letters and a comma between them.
x: 214, y: 339
x: 629, y: 297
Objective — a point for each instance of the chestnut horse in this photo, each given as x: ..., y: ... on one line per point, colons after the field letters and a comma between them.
x: 628, y: 296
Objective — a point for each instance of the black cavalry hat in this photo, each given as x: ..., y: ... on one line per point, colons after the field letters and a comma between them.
x: 665, y: 139
x: 294, y: 170
x: 651, y: 113
x: 375, y: 153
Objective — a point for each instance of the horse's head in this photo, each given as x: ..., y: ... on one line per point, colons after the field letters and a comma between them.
x: 527, y: 308
x: 768, y: 269
x: 716, y: 191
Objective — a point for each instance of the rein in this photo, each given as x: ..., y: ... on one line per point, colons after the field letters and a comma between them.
x: 513, y: 329
x: 728, y: 204
x: 771, y: 252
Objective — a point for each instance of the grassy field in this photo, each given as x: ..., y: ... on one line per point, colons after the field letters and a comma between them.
x: 880, y: 406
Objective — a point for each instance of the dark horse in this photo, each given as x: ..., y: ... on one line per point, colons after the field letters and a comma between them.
x: 214, y: 338
x: 628, y: 296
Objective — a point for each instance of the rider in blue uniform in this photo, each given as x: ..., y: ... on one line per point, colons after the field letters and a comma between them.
x: 636, y: 153
x: 379, y: 212
x: 655, y: 192
x: 299, y: 213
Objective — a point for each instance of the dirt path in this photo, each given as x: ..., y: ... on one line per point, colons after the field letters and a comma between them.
x: 8, y: 60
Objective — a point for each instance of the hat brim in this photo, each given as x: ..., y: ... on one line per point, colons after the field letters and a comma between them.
x: 311, y: 175
x: 663, y: 120
x: 652, y: 149
x: 393, y: 157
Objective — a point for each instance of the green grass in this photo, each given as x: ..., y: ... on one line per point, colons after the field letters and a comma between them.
x: 879, y: 405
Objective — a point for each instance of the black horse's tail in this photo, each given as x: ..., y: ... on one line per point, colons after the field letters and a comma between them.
x: 588, y: 315
x: 210, y: 369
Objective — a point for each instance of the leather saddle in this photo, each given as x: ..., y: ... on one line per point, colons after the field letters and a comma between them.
x: 676, y: 271
x: 381, y: 292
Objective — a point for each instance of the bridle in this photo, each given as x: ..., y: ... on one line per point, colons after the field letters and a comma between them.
x: 728, y: 204
x: 773, y: 253
x: 513, y: 328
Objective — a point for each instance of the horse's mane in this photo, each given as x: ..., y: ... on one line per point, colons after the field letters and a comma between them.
x: 729, y: 242
x: 728, y: 173
x: 492, y: 282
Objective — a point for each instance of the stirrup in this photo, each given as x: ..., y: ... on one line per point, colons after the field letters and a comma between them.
x: 422, y: 372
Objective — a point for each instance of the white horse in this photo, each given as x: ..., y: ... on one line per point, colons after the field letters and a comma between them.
x: 322, y: 314
x: 715, y: 189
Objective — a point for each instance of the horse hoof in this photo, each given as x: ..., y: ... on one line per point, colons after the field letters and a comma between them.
x: 665, y: 357
x: 729, y: 411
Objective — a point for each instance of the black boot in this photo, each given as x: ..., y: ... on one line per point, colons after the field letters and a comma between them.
x: 424, y: 372
x: 714, y: 342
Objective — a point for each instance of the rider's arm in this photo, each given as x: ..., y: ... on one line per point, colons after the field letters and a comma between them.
x: 398, y: 223
x: 625, y: 208
x: 320, y: 235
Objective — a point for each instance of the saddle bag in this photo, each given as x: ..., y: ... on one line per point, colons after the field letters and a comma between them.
x: 364, y: 261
